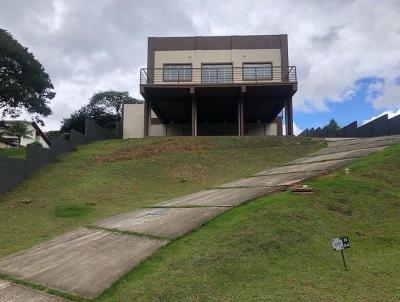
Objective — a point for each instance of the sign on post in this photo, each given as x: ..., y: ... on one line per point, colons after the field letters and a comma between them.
x: 339, y: 244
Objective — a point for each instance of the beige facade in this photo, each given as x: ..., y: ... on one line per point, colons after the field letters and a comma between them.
x: 199, y: 57
x: 133, y: 122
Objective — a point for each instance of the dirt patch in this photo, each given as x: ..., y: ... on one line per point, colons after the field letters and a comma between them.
x: 183, y: 174
x: 152, y: 150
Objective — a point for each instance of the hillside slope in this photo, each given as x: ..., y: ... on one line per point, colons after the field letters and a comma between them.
x: 109, y: 177
x: 278, y: 248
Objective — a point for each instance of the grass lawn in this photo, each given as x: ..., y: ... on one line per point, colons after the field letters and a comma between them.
x: 19, y: 153
x: 278, y: 248
x: 109, y: 177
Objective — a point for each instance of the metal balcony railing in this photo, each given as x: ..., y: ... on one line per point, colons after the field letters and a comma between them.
x: 218, y: 75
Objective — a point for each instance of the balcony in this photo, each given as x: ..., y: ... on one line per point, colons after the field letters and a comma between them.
x: 219, y: 75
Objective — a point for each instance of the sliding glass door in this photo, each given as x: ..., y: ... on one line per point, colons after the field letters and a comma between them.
x: 216, y: 73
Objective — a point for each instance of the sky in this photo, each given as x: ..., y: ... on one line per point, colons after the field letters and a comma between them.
x: 347, y: 52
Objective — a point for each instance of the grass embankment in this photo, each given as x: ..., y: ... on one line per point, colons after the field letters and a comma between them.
x: 278, y: 248
x: 109, y: 177
x: 19, y: 153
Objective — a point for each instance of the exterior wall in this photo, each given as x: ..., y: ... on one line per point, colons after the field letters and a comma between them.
x: 198, y: 57
x: 252, y: 129
x: 211, y: 129
x: 261, y: 129
x: 133, y: 126
x: 217, y: 43
x: 235, y: 56
x: 271, y: 129
x: 178, y: 130
x: 32, y: 137
x: 157, y: 130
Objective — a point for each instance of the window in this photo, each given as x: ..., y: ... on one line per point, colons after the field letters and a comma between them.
x: 177, y: 72
x: 257, y: 71
x: 216, y: 73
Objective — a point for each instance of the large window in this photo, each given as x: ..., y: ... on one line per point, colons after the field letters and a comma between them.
x: 216, y: 73
x: 177, y: 72
x: 257, y: 71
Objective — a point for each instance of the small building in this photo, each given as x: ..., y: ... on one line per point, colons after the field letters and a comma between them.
x: 36, y: 135
x: 216, y: 85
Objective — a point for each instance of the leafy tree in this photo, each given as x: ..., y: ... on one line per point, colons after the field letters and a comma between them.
x: 112, y: 101
x: 19, y: 130
x: 24, y: 84
x: 333, y: 125
x: 77, y: 119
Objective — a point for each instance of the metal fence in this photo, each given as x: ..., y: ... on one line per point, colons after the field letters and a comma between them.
x: 13, y: 171
x: 380, y: 126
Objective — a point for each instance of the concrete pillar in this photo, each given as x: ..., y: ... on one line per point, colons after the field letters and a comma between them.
x: 241, y: 114
x: 194, y: 115
x: 147, y: 118
x: 289, y: 117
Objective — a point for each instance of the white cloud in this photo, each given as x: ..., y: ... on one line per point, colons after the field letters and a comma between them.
x: 387, y: 95
x: 87, y: 46
x: 296, y: 129
x: 389, y: 113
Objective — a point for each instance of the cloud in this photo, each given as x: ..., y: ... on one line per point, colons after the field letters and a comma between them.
x: 385, y: 94
x: 296, y: 129
x: 389, y: 113
x: 87, y: 46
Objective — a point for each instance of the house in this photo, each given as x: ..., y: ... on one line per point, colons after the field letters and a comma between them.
x: 216, y: 85
x: 36, y: 135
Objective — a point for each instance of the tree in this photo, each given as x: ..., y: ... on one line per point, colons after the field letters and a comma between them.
x: 112, y: 101
x: 333, y: 125
x: 24, y: 84
x: 77, y: 119
x: 19, y: 130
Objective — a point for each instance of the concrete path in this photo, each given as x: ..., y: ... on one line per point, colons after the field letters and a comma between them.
x: 15, y: 293
x: 87, y: 261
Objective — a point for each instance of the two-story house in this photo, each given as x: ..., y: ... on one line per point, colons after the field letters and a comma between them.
x: 217, y: 85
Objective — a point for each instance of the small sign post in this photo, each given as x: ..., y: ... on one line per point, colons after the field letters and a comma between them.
x: 339, y: 244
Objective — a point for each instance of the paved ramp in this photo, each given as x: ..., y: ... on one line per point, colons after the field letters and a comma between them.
x: 87, y: 261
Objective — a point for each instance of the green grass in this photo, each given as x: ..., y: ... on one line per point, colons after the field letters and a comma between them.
x: 278, y: 248
x: 114, y: 176
x: 72, y: 210
x: 19, y: 153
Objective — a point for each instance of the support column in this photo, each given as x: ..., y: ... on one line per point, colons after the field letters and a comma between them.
x: 289, y: 117
x: 147, y: 118
x: 241, y: 112
x: 194, y: 115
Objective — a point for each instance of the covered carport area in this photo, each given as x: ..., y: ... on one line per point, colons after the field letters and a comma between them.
x: 217, y: 110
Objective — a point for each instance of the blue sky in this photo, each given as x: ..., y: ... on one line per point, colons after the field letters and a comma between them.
x: 359, y: 106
